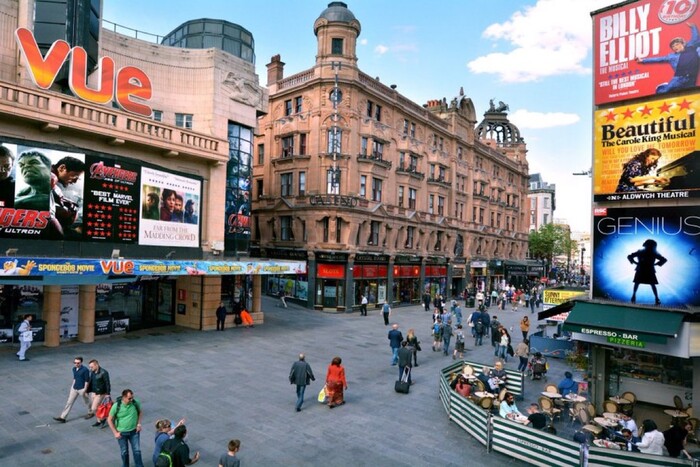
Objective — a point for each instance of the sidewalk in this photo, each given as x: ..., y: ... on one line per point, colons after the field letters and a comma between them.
x: 233, y: 384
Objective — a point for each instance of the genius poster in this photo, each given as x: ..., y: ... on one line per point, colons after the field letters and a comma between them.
x: 647, y: 150
x: 647, y: 256
x: 645, y: 48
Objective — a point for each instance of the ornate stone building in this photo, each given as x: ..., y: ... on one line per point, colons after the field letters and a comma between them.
x: 382, y: 196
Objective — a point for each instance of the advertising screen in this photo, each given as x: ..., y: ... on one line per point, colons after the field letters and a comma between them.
x: 647, y: 256
x: 647, y: 150
x: 645, y: 48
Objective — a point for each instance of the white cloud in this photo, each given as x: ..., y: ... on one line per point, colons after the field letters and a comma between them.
x: 363, y: 41
x: 381, y: 49
x: 551, y: 38
x: 537, y: 120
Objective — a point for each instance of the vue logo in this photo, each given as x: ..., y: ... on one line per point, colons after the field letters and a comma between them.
x: 128, y: 83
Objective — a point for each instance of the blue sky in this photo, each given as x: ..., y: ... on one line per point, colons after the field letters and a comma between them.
x: 534, y: 55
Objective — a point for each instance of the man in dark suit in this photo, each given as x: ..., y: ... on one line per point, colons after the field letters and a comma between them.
x: 301, y: 375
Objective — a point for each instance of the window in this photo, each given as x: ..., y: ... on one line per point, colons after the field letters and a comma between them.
x: 441, y: 173
x: 302, y: 144
x: 259, y: 188
x: 498, y: 220
x: 400, y: 197
x: 374, y: 233
x: 370, y: 109
x: 157, y: 115
x: 286, y: 184
x: 441, y: 206
x: 376, y: 189
x: 334, y: 141
x: 288, y: 146
x: 297, y: 104
x: 438, y: 243
x: 286, y: 228
x: 431, y: 202
x: 435, y: 140
x: 333, y: 181
x: 325, y: 227
x: 405, y: 127
x: 302, y: 183
x: 414, y: 163
x: 377, y: 150
x: 338, y: 229
x: 183, y: 121
x: 432, y: 171
x: 363, y: 186
x: 261, y: 154
x: 337, y: 46
x: 459, y: 153
x: 493, y: 219
x: 378, y: 113
x: 441, y: 144
x: 288, y: 107
x: 413, y: 130
x: 474, y: 214
x: 363, y: 146
x: 412, y: 198
x: 546, y: 202
x: 402, y: 161
x: 545, y: 218
x: 410, y: 231
x: 478, y: 162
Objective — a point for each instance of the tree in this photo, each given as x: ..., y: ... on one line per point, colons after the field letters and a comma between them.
x: 550, y: 241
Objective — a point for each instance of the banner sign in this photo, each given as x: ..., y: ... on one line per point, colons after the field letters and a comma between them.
x: 645, y: 48
x: 647, y: 256
x: 142, y: 267
x: 647, y: 150
x: 554, y: 297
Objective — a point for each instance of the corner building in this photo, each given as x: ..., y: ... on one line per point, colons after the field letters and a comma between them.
x: 381, y: 196
x: 117, y: 263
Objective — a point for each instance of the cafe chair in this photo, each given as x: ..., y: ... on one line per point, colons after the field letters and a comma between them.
x: 595, y: 430
x: 499, y: 399
x: 486, y: 403
x: 480, y: 386
x: 551, y: 388
x: 590, y: 410
x: 689, y: 410
x: 630, y: 396
x: 678, y: 403
x: 547, y: 407
x: 610, y: 406
x: 573, y: 411
x: 468, y: 370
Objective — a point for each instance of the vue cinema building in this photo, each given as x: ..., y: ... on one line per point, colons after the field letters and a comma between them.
x: 381, y: 196
x: 125, y: 177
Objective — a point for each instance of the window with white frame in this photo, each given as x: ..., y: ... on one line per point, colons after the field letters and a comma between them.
x: 302, y: 183
x: 363, y: 186
x: 335, y: 137
x: 286, y: 232
x: 376, y: 189
x: 374, y: 233
x: 400, y: 196
x: 412, y: 198
x: 441, y: 206
x: 333, y: 182
x: 286, y: 184
x: 183, y: 121
x: 410, y: 232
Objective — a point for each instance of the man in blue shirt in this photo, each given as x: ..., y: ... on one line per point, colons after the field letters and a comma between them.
x: 81, y: 380
x: 508, y: 408
x: 684, y: 60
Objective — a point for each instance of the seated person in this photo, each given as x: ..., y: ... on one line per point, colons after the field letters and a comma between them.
x: 676, y: 438
x: 247, y: 319
x: 629, y: 440
x: 463, y: 387
x: 567, y: 385
x: 536, y: 418
x: 508, y: 408
x: 498, y: 372
x: 484, y: 378
x: 628, y: 422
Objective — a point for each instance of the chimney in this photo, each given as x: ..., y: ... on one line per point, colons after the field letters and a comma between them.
x: 275, y: 70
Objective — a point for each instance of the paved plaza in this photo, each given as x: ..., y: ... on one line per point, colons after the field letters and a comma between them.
x: 234, y: 384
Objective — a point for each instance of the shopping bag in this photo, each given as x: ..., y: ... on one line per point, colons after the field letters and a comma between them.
x: 104, y: 408
x: 402, y: 386
x: 322, y: 395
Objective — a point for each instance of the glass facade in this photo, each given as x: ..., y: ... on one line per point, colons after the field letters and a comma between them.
x: 212, y: 33
x: 238, y: 172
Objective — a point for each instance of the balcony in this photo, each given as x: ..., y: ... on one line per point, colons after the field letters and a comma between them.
x: 439, y: 181
x: 374, y: 159
x: 411, y: 171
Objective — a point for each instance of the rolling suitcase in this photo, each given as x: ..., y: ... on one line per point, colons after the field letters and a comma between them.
x: 402, y: 386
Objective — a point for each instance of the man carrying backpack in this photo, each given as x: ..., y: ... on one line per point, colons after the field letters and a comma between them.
x: 478, y: 328
x: 446, y: 336
x: 125, y: 422
x: 175, y: 451
x: 495, y: 335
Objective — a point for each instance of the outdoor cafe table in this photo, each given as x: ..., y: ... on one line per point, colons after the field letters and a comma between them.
x: 604, y: 443
x: 552, y: 395
x: 571, y: 397
x: 612, y: 416
x: 620, y: 400
x: 482, y: 394
x: 676, y: 414
x: 602, y: 421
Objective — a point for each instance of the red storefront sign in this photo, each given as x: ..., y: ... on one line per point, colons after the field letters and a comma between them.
x: 435, y: 271
x: 406, y: 271
x: 370, y: 271
x: 331, y: 271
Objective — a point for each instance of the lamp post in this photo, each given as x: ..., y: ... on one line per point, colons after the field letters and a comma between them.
x: 583, y: 270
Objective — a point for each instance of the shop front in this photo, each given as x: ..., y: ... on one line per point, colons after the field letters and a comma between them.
x: 406, y: 286
x: 516, y: 273
x: 330, y: 285
x: 479, y: 276
x: 647, y: 351
x: 459, y: 278
x: 435, y: 280
x: 371, y: 279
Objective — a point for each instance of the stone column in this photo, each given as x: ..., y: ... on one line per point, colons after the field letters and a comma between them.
x: 86, y: 315
x: 51, y: 314
x: 390, y: 281
x: 256, y: 306
x: 349, y: 281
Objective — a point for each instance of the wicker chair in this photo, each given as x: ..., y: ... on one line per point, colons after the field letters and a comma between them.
x: 692, y: 436
x: 590, y: 410
x: 486, y: 403
x: 551, y: 388
x: 548, y: 408
x: 501, y: 396
x: 574, y: 410
x: 595, y: 430
x: 610, y: 406
x: 630, y: 396
x: 480, y: 385
x: 678, y: 403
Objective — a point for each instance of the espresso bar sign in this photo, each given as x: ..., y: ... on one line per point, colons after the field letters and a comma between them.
x: 333, y: 200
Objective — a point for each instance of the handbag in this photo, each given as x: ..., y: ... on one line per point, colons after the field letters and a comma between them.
x: 510, y: 350
x: 103, y: 409
x: 27, y: 336
x: 322, y: 395
x: 418, y: 349
x: 402, y: 386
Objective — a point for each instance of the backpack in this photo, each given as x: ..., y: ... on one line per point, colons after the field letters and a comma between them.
x: 165, y: 457
x: 495, y: 325
x: 479, y: 326
x: 460, y: 337
x: 119, y: 405
x: 437, y: 329
x: 446, y: 330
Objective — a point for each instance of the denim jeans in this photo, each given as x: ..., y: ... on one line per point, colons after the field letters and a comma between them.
x: 523, y: 364
x: 478, y: 338
x: 395, y: 355
x: 503, y: 352
x: 300, y: 395
x: 134, y: 438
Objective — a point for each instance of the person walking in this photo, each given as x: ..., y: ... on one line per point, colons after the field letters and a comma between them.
x: 125, y: 422
x: 395, y: 337
x: 386, y: 313
x: 220, y: 316
x: 522, y: 351
x: 26, y: 336
x: 363, y: 305
x: 495, y: 333
x: 179, y: 450
x: 525, y: 326
x: 301, y: 375
x: 459, y: 343
x: 503, y: 342
x: 79, y: 387
x: 426, y: 301
x: 100, y: 388
x: 335, y: 383
x: 229, y: 459
x: 413, y: 345
x: 437, y: 335
x: 164, y: 430
x: 404, y: 356
x: 446, y: 336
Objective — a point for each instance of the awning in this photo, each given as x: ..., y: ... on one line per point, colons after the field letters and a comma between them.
x: 619, y: 322
x: 561, y: 308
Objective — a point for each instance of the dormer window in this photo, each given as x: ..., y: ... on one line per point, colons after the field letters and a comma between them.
x: 337, y: 46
